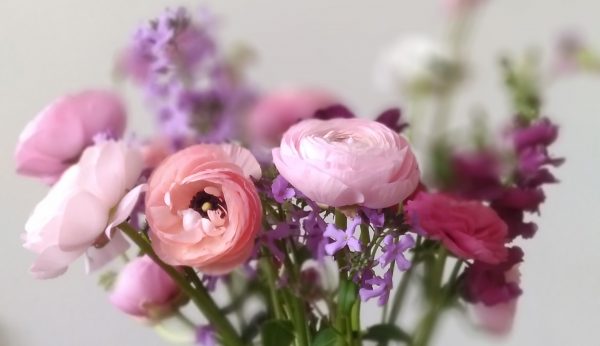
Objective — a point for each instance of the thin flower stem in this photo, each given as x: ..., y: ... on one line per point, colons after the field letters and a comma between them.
x: 425, y: 329
x: 199, y: 295
x: 184, y: 319
x: 269, y: 271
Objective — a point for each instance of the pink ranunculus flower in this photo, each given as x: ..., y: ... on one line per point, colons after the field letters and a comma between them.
x: 343, y: 162
x: 468, y: 229
x: 143, y: 289
x: 55, y: 139
x: 203, y: 209
x: 275, y: 112
x: 83, y: 208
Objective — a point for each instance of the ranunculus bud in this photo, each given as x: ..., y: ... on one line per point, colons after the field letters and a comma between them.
x: 55, y: 139
x: 343, y: 162
x: 144, y: 289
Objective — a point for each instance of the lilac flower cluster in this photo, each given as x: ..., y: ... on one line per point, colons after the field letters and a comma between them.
x: 188, y: 83
x: 386, y: 246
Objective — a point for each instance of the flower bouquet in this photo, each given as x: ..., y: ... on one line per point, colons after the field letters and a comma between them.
x: 279, y: 214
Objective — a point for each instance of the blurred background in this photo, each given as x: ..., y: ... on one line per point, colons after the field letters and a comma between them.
x: 49, y: 48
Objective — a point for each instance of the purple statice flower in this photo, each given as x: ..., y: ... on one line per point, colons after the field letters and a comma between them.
x: 205, y: 336
x: 342, y: 239
x: 392, y: 118
x: 394, y: 249
x: 493, y: 284
x: 375, y: 217
x: 376, y: 286
x: 281, y: 189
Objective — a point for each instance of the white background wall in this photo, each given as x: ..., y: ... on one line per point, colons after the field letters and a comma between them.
x: 51, y: 47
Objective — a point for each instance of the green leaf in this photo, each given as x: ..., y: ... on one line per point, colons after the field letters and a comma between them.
x: 347, y: 295
x: 277, y: 332
x: 382, y: 333
x: 327, y: 337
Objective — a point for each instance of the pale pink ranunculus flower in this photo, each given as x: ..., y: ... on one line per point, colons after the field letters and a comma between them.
x: 55, y: 139
x: 343, y: 162
x: 143, y: 289
x: 80, y: 212
x: 202, y: 208
x: 276, y: 111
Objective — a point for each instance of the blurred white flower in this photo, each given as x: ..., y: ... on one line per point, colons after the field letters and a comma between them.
x: 414, y: 64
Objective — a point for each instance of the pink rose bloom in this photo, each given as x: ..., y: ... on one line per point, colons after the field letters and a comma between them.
x: 469, y: 229
x: 55, y: 139
x: 277, y: 111
x: 342, y: 162
x: 203, y: 209
x: 144, y: 289
x: 81, y: 210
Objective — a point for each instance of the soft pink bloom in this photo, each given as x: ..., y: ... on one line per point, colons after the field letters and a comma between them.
x: 82, y: 209
x: 499, y: 318
x: 469, y: 229
x: 275, y: 112
x: 144, y: 289
x: 55, y: 139
x: 342, y: 162
x: 203, y: 209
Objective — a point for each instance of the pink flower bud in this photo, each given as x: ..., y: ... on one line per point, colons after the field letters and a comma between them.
x: 144, y: 289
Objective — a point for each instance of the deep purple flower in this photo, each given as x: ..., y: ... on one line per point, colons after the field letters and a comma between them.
x: 341, y: 239
x: 514, y: 219
x: 393, y: 250
x: 523, y: 199
x: 477, y: 174
x: 281, y: 189
x: 377, y: 287
x: 210, y: 282
x: 492, y: 284
x: 336, y: 111
x: 392, y: 118
x: 542, y: 132
x: 205, y: 336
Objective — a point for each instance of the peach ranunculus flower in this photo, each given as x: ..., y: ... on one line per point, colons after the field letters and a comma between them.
x: 55, y: 139
x: 342, y: 162
x: 80, y: 212
x: 202, y: 208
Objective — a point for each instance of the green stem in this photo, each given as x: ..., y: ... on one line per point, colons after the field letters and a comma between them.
x: 400, y: 293
x: 270, y: 274
x: 425, y: 329
x: 199, y: 295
